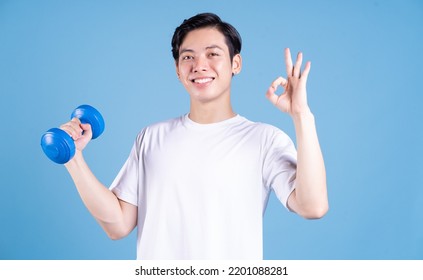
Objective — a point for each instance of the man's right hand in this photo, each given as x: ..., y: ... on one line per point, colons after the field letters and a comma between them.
x: 80, y: 133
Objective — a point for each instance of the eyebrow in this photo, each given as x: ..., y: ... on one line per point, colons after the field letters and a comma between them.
x: 207, y: 48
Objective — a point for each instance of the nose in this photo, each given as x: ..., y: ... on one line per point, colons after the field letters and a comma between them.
x: 200, y: 64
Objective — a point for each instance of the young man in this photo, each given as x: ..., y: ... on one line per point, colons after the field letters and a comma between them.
x: 197, y: 186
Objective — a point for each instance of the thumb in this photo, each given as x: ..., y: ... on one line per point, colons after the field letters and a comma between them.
x: 86, y: 127
x: 271, y: 92
x: 272, y: 96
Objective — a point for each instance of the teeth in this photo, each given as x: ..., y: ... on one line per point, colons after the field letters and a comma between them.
x: 202, y: 81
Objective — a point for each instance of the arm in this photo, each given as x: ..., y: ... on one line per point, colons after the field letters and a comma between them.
x: 116, y: 217
x: 309, y: 199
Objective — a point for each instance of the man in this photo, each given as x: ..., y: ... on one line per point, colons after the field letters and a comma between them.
x: 197, y: 186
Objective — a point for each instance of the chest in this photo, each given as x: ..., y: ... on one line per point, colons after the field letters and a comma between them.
x: 192, y: 159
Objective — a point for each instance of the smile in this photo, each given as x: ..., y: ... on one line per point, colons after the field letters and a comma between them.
x: 202, y: 80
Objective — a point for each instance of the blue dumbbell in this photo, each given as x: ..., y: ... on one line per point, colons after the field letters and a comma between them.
x: 59, y: 146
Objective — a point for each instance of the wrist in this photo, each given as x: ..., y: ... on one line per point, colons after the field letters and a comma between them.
x: 76, y: 160
x: 302, y: 117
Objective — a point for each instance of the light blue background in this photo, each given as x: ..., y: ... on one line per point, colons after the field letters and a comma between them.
x: 364, y: 89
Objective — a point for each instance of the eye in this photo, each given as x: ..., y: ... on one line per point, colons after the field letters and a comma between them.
x: 213, y: 54
x: 187, y: 57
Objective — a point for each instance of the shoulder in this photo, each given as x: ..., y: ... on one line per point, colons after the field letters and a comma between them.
x: 159, y: 128
x: 265, y: 129
x: 167, y: 123
x: 163, y: 125
x: 271, y: 137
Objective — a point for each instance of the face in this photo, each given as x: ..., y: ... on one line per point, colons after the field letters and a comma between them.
x: 204, y: 66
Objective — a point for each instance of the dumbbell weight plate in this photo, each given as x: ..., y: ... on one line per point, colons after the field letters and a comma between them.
x: 88, y: 114
x: 58, y: 145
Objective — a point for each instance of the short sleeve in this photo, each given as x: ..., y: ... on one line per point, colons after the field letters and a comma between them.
x: 125, y: 185
x: 280, y: 165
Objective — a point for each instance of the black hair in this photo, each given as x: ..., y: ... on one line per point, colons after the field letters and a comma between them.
x: 232, y: 37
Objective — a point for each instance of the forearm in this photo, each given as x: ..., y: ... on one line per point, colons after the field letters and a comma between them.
x: 99, y: 200
x: 310, y: 193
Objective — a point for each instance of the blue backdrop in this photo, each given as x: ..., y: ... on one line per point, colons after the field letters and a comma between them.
x: 115, y: 55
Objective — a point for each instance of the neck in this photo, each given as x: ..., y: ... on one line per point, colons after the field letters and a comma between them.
x: 210, y: 113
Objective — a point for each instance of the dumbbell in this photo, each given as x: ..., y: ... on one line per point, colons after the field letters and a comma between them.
x: 59, y: 146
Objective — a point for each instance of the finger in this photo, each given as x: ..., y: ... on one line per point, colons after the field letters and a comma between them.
x: 69, y: 129
x: 87, y: 130
x: 288, y: 62
x: 73, y: 128
x: 271, y: 92
x: 296, y: 71
x: 272, y: 97
x: 280, y: 81
x: 307, y: 68
x: 75, y: 124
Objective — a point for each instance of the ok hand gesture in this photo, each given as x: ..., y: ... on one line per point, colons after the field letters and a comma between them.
x: 294, y: 98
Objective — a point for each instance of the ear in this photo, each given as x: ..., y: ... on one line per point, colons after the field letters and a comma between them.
x: 176, y: 68
x: 236, y: 64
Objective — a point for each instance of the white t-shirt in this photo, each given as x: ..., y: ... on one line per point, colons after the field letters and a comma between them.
x: 202, y: 189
